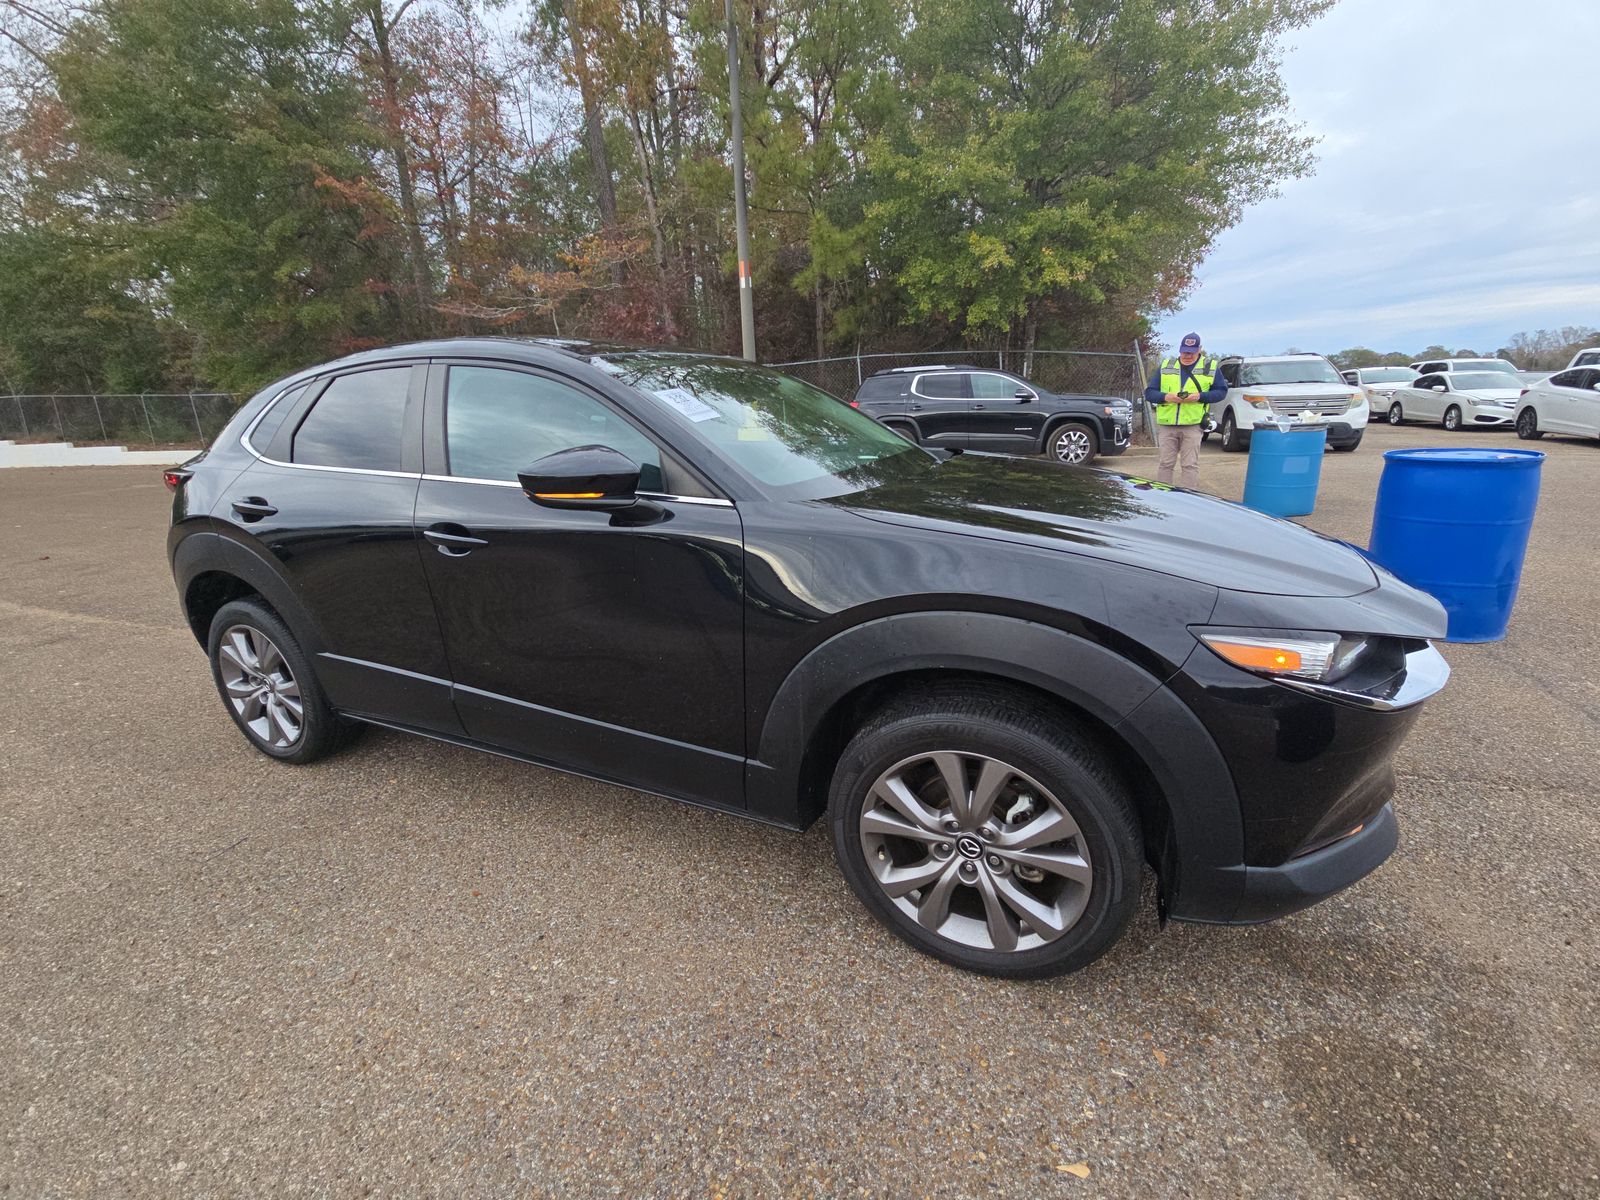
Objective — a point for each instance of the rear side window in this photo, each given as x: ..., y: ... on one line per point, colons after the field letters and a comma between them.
x: 358, y: 422
x: 880, y: 387
x: 1565, y: 379
x: 1429, y: 367
x: 942, y: 386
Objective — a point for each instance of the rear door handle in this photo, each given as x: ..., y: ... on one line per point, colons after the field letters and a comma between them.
x: 451, y: 542
x: 977, y: 406
x: 253, y: 508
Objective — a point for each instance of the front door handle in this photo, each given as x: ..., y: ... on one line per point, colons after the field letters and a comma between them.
x: 253, y: 508
x: 977, y: 406
x: 452, y: 540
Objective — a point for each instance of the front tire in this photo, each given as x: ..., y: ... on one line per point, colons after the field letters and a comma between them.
x: 1452, y: 418
x: 1073, y: 444
x: 267, y: 685
x: 1528, y: 426
x: 987, y: 834
x: 1231, y: 442
x: 1349, y: 446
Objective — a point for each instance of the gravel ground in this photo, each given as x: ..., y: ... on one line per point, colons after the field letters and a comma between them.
x: 415, y: 969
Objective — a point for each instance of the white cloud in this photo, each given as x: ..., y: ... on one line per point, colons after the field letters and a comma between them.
x: 1457, y: 196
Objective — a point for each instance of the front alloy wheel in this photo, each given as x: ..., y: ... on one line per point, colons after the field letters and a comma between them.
x: 1072, y: 444
x: 987, y: 830
x: 976, y: 852
x: 1452, y: 418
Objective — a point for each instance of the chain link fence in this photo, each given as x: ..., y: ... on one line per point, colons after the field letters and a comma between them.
x: 164, y: 419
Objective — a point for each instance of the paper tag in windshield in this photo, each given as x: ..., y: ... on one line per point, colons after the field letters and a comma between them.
x: 688, y: 404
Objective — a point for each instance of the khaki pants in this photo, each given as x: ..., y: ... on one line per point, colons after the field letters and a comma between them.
x: 1178, y: 445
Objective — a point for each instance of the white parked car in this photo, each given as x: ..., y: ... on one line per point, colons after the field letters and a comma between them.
x: 1586, y: 358
x: 1433, y: 366
x: 1286, y: 385
x: 1456, y: 399
x: 1380, y: 383
x: 1567, y: 402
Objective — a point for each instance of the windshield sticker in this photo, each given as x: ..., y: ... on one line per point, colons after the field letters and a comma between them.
x: 688, y: 404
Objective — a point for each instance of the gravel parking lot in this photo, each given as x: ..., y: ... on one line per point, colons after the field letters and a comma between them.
x: 416, y: 969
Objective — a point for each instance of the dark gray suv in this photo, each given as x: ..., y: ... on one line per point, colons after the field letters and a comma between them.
x: 975, y: 408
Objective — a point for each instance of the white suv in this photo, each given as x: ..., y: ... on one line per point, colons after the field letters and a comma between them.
x: 1286, y: 385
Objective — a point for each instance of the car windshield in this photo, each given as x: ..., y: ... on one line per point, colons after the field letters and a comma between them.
x: 1486, y: 364
x: 785, y: 435
x: 1473, y: 381
x: 1296, y: 370
x: 1388, y: 375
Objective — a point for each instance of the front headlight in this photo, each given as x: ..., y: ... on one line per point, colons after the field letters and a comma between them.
x: 1255, y: 401
x: 1319, y: 657
x: 1357, y: 399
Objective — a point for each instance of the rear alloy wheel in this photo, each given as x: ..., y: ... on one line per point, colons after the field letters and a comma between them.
x: 1397, y: 414
x: 1230, y: 434
x: 904, y: 431
x: 1528, y: 425
x: 987, y: 835
x: 1073, y: 443
x: 268, y: 686
x: 1452, y: 418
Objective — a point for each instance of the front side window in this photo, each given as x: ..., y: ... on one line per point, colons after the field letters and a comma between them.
x: 1429, y: 368
x: 946, y: 385
x: 996, y: 387
x: 1588, y: 358
x: 358, y: 422
x: 1428, y: 381
x: 498, y: 422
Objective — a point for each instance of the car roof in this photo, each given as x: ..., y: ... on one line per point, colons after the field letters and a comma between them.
x: 1264, y: 358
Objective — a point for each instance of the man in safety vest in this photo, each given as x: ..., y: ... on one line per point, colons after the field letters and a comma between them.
x: 1181, y: 393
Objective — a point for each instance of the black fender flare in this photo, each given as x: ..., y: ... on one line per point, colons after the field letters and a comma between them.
x: 202, y: 552
x: 1205, y: 834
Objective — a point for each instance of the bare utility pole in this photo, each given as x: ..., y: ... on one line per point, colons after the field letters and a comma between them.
x: 747, y: 303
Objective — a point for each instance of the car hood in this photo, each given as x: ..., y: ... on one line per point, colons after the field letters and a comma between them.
x: 1118, y: 518
x: 1300, y: 391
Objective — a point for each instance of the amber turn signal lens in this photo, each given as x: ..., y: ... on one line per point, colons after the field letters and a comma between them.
x: 1257, y: 658
x: 568, y: 495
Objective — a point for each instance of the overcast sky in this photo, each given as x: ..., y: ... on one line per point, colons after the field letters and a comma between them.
x: 1456, y: 197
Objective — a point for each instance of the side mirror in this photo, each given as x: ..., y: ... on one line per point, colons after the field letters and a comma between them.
x: 1436, y: 387
x: 1022, y: 394
x: 596, y: 478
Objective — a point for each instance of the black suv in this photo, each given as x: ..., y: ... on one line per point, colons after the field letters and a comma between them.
x: 1008, y: 683
x: 978, y: 409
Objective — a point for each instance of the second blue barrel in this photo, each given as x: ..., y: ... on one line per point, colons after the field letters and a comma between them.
x: 1455, y: 523
x: 1284, y: 469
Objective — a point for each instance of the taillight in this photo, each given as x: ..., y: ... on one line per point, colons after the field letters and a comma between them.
x: 175, y: 478
x: 855, y: 404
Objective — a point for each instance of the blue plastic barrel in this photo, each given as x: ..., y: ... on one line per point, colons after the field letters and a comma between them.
x: 1455, y: 524
x: 1284, y: 470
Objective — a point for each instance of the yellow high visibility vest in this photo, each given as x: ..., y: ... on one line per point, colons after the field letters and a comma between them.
x: 1188, y: 412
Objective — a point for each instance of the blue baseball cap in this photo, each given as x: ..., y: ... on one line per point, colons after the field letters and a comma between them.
x: 1190, y: 344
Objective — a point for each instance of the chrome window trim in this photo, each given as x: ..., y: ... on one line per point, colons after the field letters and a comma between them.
x: 711, y: 501
x: 244, y: 440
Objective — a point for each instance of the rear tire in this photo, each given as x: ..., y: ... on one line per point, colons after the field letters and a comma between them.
x: 1397, y: 415
x: 268, y: 687
x: 1231, y: 442
x: 904, y: 430
x: 1528, y: 426
x: 956, y: 885
x: 1452, y: 418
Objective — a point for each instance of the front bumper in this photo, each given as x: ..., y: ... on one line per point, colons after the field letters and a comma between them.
x: 1489, y: 418
x: 1115, y: 436
x: 1340, y: 433
x: 1272, y: 892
